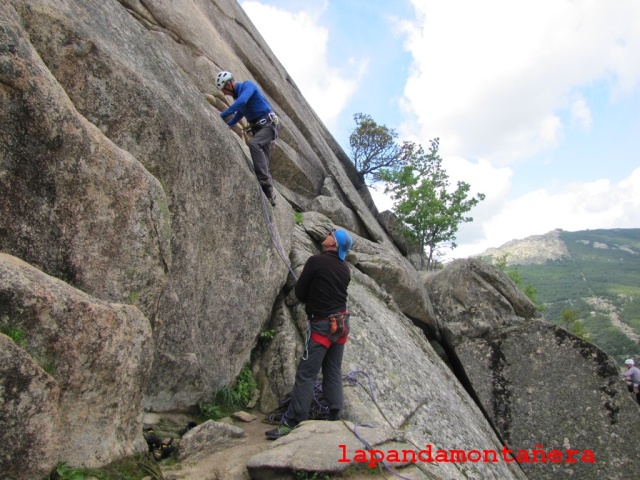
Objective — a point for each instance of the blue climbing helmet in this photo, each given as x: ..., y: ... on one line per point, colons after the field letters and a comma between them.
x: 344, y: 241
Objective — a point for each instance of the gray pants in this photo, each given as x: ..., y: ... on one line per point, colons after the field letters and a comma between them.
x: 330, y: 359
x: 259, y: 146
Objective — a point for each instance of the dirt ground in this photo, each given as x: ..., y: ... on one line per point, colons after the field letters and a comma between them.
x: 230, y: 464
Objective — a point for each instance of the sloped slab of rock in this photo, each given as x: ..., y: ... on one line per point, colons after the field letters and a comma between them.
x: 208, y: 437
x: 314, y: 446
x: 542, y: 387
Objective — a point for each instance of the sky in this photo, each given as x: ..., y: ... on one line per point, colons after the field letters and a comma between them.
x: 536, y: 103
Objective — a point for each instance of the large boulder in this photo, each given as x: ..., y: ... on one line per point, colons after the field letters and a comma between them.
x: 395, y: 383
x: 29, y: 399
x: 78, y: 373
x: 122, y: 179
x: 541, y: 387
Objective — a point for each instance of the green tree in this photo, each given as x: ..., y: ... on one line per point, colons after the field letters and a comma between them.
x: 572, y: 323
x: 373, y: 147
x: 424, y: 202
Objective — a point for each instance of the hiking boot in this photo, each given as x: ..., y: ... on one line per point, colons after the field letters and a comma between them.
x: 280, y: 431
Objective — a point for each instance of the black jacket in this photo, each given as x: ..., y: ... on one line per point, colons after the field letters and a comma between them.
x: 323, y: 283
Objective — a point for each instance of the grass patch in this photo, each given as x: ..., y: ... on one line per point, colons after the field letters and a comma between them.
x: 131, y: 468
x: 229, y: 399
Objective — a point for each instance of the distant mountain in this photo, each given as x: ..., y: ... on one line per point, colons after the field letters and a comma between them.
x: 596, y: 272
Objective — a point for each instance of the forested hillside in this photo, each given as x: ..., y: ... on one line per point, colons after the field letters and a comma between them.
x: 600, y: 278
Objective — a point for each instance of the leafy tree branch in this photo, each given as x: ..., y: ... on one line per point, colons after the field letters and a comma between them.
x: 424, y: 202
x: 373, y: 147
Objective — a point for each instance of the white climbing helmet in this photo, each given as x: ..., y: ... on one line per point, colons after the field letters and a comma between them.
x: 629, y: 362
x: 222, y: 78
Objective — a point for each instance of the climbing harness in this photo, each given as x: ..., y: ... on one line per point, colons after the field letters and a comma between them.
x: 268, y: 119
x: 158, y: 448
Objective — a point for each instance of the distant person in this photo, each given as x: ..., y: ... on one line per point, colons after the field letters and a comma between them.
x: 250, y: 103
x: 632, y: 376
x: 322, y: 287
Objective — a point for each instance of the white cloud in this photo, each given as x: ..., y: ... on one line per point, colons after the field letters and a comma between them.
x: 491, y: 77
x: 499, y: 82
x: 581, y: 114
x: 576, y: 206
x: 300, y: 43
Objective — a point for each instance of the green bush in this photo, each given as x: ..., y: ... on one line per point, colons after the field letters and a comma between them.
x: 230, y: 398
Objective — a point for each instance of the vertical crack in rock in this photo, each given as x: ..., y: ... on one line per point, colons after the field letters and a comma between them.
x: 501, y: 395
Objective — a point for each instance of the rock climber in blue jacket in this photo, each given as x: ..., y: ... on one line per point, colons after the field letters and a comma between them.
x: 249, y: 102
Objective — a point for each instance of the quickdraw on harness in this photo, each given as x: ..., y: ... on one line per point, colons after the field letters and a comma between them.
x: 338, y: 331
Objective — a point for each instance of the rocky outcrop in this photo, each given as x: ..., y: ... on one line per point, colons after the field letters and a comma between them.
x: 28, y: 413
x: 533, y: 250
x: 540, y: 386
x: 72, y: 386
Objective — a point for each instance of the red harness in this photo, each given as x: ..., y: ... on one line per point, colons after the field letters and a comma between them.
x: 339, y: 330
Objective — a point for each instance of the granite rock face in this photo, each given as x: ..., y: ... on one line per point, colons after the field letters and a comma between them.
x: 540, y: 386
x: 134, y: 235
x: 72, y: 387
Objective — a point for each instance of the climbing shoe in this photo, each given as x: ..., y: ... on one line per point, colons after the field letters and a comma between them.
x: 186, y: 428
x: 280, y: 431
x: 272, y: 199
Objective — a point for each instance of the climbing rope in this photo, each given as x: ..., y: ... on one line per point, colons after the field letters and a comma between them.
x: 352, y: 380
x: 274, y: 238
x: 318, y: 411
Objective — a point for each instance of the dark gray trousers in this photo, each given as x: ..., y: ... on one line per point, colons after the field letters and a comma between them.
x: 259, y: 146
x: 330, y: 359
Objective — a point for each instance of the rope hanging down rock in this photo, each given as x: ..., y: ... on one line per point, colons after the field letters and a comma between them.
x: 274, y: 238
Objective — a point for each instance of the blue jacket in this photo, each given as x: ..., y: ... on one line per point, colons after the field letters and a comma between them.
x: 249, y: 102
